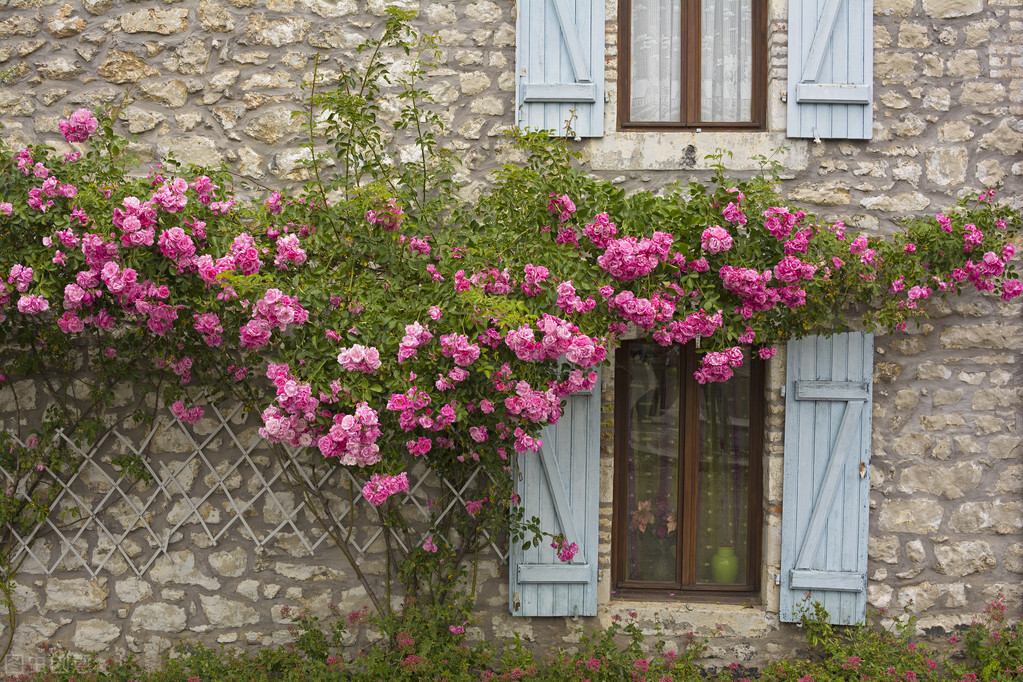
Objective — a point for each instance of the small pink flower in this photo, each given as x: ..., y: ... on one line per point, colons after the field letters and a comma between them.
x: 715, y: 240
x: 429, y: 545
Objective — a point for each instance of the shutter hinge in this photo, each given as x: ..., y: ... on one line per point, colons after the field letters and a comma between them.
x: 784, y: 97
x: 781, y: 391
x: 777, y: 579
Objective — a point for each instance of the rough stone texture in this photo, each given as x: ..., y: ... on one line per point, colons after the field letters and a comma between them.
x: 216, y: 81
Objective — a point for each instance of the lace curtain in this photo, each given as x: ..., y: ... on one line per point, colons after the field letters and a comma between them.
x: 726, y: 61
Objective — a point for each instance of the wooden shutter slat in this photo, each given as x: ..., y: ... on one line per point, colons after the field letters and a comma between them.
x: 560, y: 485
x: 826, y: 494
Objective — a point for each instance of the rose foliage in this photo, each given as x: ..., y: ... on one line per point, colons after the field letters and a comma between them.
x: 397, y: 324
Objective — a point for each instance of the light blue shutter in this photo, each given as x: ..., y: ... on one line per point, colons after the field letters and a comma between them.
x: 826, y: 497
x: 831, y: 69
x: 560, y: 66
x: 560, y: 485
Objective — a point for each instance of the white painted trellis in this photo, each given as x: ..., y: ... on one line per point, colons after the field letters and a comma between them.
x: 100, y: 516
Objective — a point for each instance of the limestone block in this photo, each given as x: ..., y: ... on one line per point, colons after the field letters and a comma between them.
x: 95, y: 635
x: 264, y: 81
x: 249, y: 589
x: 913, y: 445
x: 917, y: 598
x: 978, y: 32
x: 940, y: 422
x: 946, y: 166
x: 964, y: 64
x: 227, y: 613
x: 202, y: 151
x: 18, y: 26
x: 172, y: 93
x: 946, y: 482
x: 76, y: 594
x: 1003, y: 139
x: 899, y: 203
x: 230, y: 563
x: 1014, y: 558
x: 179, y: 568
x: 493, y: 106
x: 913, y: 35
x: 982, y: 93
x: 59, y: 69
x: 158, y: 617
x: 21, y: 394
x: 907, y: 399
x: 987, y: 517
x: 894, y: 65
x: 898, y: 8
x: 941, y: 398
x: 955, y: 131
x: 918, y: 516
x: 273, y: 126
x: 61, y: 24
x: 993, y: 336
x: 993, y: 398
x: 473, y: 82
x: 915, y: 551
x: 938, y: 98
x: 990, y: 173
x: 1005, y: 447
x: 484, y: 12
x: 96, y: 7
x: 215, y: 18
x: 162, y: 21
x: 440, y: 14
x: 125, y: 67
x: 330, y: 9
x: 822, y: 193
x: 879, y: 595
x: 139, y: 120
x: 132, y: 590
x: 949, y: 9
x: 260, y: 31
x: 883, y: 548
x: 504, y: 36
x: 963, y: 558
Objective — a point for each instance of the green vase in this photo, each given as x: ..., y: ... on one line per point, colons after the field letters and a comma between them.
x: 724, y: 565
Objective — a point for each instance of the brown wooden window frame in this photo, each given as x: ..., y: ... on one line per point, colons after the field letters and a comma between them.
x: 690, y: 86
x: 687, y: 521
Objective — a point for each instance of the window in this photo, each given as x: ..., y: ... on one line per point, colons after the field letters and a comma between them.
x: 692, y: 63
x: 687, y: 474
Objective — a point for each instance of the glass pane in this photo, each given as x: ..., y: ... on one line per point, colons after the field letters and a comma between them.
x: 726, y: 60
x: 722, y: 541
x: 656, y: 70
x: 652, y: 503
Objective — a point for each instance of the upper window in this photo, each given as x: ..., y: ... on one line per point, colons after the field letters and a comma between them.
x: 692, y: 63
x: 687, y: 474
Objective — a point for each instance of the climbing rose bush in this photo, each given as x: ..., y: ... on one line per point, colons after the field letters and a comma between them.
x: 394, y: 324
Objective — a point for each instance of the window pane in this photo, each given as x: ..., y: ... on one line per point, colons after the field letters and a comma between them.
x: 653, y: 470
x: 656, y: 69
x: 726, y: 61
x: 724, y: 480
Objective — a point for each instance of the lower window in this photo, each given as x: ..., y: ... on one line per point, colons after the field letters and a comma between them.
x: 687, y: 475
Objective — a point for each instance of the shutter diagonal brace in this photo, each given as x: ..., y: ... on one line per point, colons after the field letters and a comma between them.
x: 570, y: 32
x: 560, y: 497
x: 832, y: 477
x: 821, y: 37
x: 809, y: 90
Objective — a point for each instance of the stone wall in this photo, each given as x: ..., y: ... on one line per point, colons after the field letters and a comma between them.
x: 218, y: 81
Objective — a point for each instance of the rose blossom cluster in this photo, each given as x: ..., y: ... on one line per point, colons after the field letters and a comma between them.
x: 566, y: 551
x: 359, y: 358
x: 407, y: 404
x: 561, y: 206
x: 629, y: 258
x: 389, y: 216
x: 79, y: 126
x: 352, y: 438
x: 189, y: 415
x: 718, y: 366
x: 415, y: 336
x: 716, y: 239
x: 381, y: 486
x: 601, y: 231
x: 274, y: 311
x: 288, y: 251
x: 532, y: 405
x: 457, y: 347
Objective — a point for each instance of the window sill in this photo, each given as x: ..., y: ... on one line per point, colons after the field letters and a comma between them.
x: 622, y: 150
x: 703, y: 619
